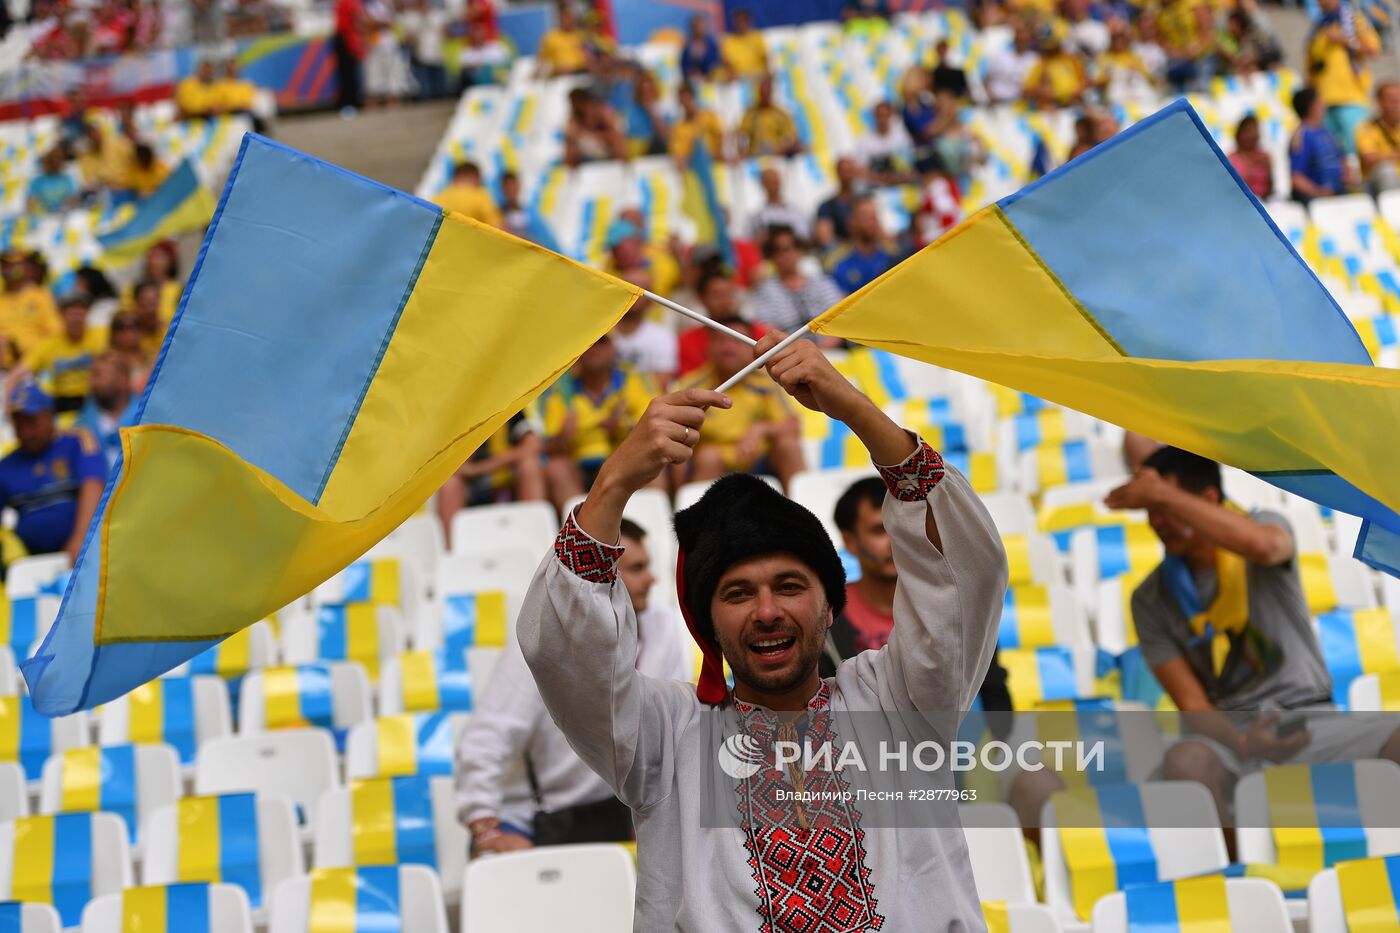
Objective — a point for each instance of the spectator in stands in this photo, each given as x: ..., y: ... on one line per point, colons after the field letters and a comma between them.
x: 97, y: 288
x: 869, y: 254
x: 162, y: 266
x: 64, y: 360
x: 519, y: 784
x: 196, y: 96
x: 105, y: 160
x: 515, y: 217
x: 207, y: 22
x: 645, y: 127
x: 700, y: 58
x: 507, y: 468
x: 766, y: 128
x: 110, y: 405
x: 148, y: 171
x: 1086, y: 36
x: 760, y: 433
x: 947, y: 76
x: 1339, y: 50
x: 1251, y: 161
x: 386, y: 72
x: 1188, y: 38
x: 744, y: 50
x: 1247, y: 43
x: 1083, y: 136
x: 775, y: 211
x: 466, y: 195
x: 1316, y: 161
x: 721, y: 298
x: 562, y: 49
x: 920, y: 110
x: 1008, y: 69
x: 484, y: 59
x: 1121, y: 74
x: 695, y: 124
x: 630, y: 253
x: 28, y: 315
x: 641, y: 343
x: 866, y: 17
x: 1241, y: 571
x: 53, y: 480
x: 425, y: 26
x: 124, y: 340
x: 53, y: 189
x: 940, y: 206
x: 1378, y: 141
x: 352, y: 26
x: 587, y: 413
x: 834, y: 214
x: 151, y: 322
x: 593, y: 132
x: 1148, y: 45
x: 1058, y: 78
x: 234, y: 94
x: 790, y: 297
x: 886, y: 152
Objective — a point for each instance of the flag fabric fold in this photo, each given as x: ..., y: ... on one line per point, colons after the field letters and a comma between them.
x: 1144, y: 285
x: 180, y: 205
x: 340, y: 349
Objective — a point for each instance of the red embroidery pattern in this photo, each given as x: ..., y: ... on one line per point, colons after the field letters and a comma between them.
x: 587, y: 559
x: 916, y: 477
x: 812, y: 880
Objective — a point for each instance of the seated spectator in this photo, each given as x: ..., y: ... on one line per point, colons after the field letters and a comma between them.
x: 1339, y: 52
x: 386, y: 75
x: 467, y: 196
x: 53, y: 480
x: 645, y: 127
x: 1247, y: 43
x: 720, y: 297
x: 1083, y: 136
x: 1251, y: 161
x: 147, y: 173
x: 775, y: 212
x: 630, y: 253
x: 105, y: 159
x: 52, y: 190
x: 587, y: 413
x: 1147, y: 43
x: 1378, y: 141
x: 744, y: 51
x: 1086, y: 36
x: 424, y: 27
x: 483, y: 59
x: 507, y: 468
x: 593, y: 132
x: 519, y: 783
x: 868, y: 255
x: 760, y: 433
x: 886, y: 152
x: 700, y: 54
x: 1058, y: 78
x: 28, y: 314
x: 234, y: 94
x: 1007, y: 70
x: 940, y: 204
x: 111, y: 403
x: 515, y: 217
x: 955, y: 146
x: 1188, y: 38
x: 834, y: 214
x: 162, y: 266
x: 124, y: 340
x: 561, y: 51
x: 947, y: 76
x: 695, y: 125
x: 1316, y: 161
x: 920, y: 111
x: 97, y: 289
x: 63, y: 361
x: 1122, y: 75
x: 642, y: 344
x: 766, y: 128
x: 198, y: 95
x: 151, y: 322
x: 790, y: 297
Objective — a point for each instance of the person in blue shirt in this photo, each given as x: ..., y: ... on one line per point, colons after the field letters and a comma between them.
x: 110, y: 404
x: 868, y: 256
x: 700, y: 57
x: 54, y: 189
x: 1314, y: 156
x: 53, y: 481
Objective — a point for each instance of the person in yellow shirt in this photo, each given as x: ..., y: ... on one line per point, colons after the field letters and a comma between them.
x: 587, y: 413
x: 1058, y: 78
x: 64, y: 360
x: 106, y: 159
x: 562, y: 50
x: 695, y: 124
x: 232, y: 93
x: 28, y: 315
x: 151, y: 321
x: 743, y: 50
x: 147, y: 173
x: 467, y: 197
x: 1378, y: 141
x: 1339, y: 50
x: 198, y: 95
x: 759, y: 434
x: 767, y: 128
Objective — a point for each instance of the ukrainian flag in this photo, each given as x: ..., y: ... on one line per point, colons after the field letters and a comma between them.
x: 180, y: 205
x: 341, y: 348
x: 1143, y: 284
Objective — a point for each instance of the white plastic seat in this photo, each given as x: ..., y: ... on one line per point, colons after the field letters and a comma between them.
x: 1105, y: 467
x: 62, y: 734
x: 362, y: 746
x: 412, y: 595
x: 157, y: 777
x: 111, y: 857
x: 1365, y: 694
x: 350, y: 698
x: 299, y: 764
x: 392, y: 700
x: 1086, y: 567
x: 651, y: 509
x: 997, y: 850
x: 335, y: 835
x: 530, y: 526
x: 819, y: 490
x: 1256, y: 906
x: 581, y: 888
x: 14, y: 792
x: 690, y: 493
x: 228, y: 912
x: 418, y: 542
x: 420, y: 903
x: 27, y: 575
x: 41, y: 918
x: 301, y: 638
x: 9, y: 673
x: 1011, y: 512
x: 212, y: 716
x: 1377, y: 789
x: 508, y: 570
x: 263, y: 651
x: 1067, y: 619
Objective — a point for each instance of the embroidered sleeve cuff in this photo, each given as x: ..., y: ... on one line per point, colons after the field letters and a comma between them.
x: 585, y: 556
x: 914, y: 478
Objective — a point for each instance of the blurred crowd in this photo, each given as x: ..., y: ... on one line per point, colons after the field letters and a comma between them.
x: 73, y: 29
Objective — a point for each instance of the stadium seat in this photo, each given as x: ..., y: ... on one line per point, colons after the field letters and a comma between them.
x: 997, y: 850
x: 1027, y: 607
x: 1020, y: 918
x: 1011, y: 512
x: 36, y: 918
x: 690, y: 493
x: 417, y: 682
x: 1249, y: 491
x: 347, y: 683
x: 583, y: 888
x: 299, y: 764
x: 1105, y: 552
x: 9, y: 673
x: 1377, y: 787
x: 253, y: 648
x: 1057, y: 672
x: 818, y: 491
x: 361, y: 580
x: 421, y: 742
x: 1327, y: 910
x: 183, y: 846
x: 1047, y: 466
x: 418, y: 542
x: 1375, y: 693
x: 419, y: 897
x: 88, y: 779
x: 1255, y: 906
x: 29, y: 576
x: 104, y: 869
x: 507, y: 571
x: 209, y: 715
x: 1169, y: 808
x: 14, y: 792
x: 344, y: 836
x: 530, y: 526
x: 226, y: 906
x: 38, y: 736
x: 651, y: 509
x: 365, y: 634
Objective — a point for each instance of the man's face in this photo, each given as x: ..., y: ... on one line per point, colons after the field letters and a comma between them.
x: 884, y: 116
x: 148, y: 301
x: 787, y: 255
x: 597, y: 358
x: 847, y: 172
x: 74, y: 320
x: 1389, y: 101
x: 635, y: 568
x: 108, y: 382
x: 865, y: 221
x: 772, y: 184
x: 728, y: 354
x: 510, y: 189
x: 1177, y: 538
x: 721, y: 298
x: 35, y: 432
x: 770, y: 618
x: 870, y: 543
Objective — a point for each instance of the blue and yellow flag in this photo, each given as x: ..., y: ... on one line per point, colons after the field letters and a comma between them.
x: 1178, y: 311
x: 472, y: 620
x: 700, y: 201
x: 413, y: 743
x: 53, y: 863
x: 430, y: 687
x: 391, y: 821
x: 162, y: 908
x: 164, y: 711
x: 1194, y: 905
x: 1356, y: 642
x: 341, y: 348
x: 1107, y: 845
x: 355, y: 900
x: 25, y: 736
x: 180, y: 205
x: 217, y: 841
x: 1315, y: 814
x: 1371, y: 894
x: 104, y: 779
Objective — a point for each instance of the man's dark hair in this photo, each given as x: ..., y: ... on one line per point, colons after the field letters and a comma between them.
x: 631, y: 529
x: 775, y: 231
x: 466, y: 167
x: 871, y: 489
x: 1192, y: 471
x: 509, y: 176
x: 1303, y: 101
x: 707, y: 277
x: 144, y: 284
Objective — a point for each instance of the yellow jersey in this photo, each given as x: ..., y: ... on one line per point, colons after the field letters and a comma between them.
x: 111, y: 165
x: 745, y: 55
x: 470, y: 201
x: 65, y: 363
x: 1065, y: 73
x: 234, y: 94
x: 769, y: 130
x: 196, y: 98
x: 144, y: 181
x: 593, y: 442
x: 563, y: 51
x: 757, y: 400
x: 1337, y: 80
x: 1375, y: 140
x: 28, y: 317
x: 707, y: 126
